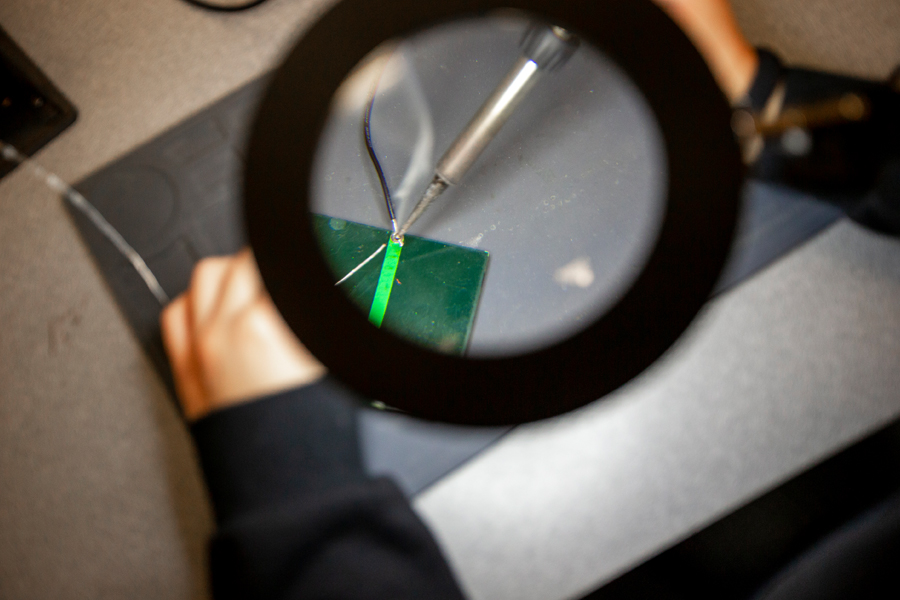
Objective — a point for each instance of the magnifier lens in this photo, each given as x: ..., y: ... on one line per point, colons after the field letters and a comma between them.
x: 547, y: 229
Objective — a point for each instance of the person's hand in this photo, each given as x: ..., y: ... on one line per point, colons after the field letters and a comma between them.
x: 711, y: 26
x: 226, y: 341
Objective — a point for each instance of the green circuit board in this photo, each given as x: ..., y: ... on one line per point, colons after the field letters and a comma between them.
x: 435, y: 290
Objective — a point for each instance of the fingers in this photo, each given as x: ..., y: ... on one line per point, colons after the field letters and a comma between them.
x: 241, y: 287
x: 217, y: 284
x: 173, y: 324
x: 205, y: 290
x: 264, y: 356
x: 177, y: 338
x: 226, y: 341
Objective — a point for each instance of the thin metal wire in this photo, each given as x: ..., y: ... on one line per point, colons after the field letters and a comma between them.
x: 10, y: 153
x: 361, y: 265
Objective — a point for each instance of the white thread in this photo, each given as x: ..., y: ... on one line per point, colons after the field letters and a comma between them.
x: 55, y: 183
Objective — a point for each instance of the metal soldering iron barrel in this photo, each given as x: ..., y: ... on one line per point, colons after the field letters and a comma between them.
x: 544, y: 48
x: 487, y: 121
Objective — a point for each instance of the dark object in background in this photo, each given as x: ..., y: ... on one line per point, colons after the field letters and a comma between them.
x: 854, y: 164
x: 857, y: 561
x: 225, y: 6
x: 32, y: 110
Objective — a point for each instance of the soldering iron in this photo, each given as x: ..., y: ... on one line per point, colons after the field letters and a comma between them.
x: 544, y: 48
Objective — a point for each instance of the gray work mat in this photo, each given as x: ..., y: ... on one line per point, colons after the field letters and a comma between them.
x: 176, y: 199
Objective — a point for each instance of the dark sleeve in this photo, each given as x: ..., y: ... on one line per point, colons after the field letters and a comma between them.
x: 297, y: 516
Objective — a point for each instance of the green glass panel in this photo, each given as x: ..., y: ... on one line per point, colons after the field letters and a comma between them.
x: 436, y: 287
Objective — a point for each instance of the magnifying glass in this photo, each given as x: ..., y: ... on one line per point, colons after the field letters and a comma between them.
x: 574, y: 248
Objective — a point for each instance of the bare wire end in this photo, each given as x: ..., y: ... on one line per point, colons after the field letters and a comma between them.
x: 360, y: 265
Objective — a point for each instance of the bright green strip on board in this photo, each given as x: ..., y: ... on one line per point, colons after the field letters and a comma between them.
x: 385, y: 283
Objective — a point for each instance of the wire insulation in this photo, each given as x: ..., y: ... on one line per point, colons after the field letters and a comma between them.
x: 370, y: 148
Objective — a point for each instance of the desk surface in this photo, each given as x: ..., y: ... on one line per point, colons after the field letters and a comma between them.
x: 101, y: 493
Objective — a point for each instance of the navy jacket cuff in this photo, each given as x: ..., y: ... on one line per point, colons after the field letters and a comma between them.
x: 279, y: 447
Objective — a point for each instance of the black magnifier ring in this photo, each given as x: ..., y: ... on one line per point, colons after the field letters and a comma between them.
x: 704, y: 181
